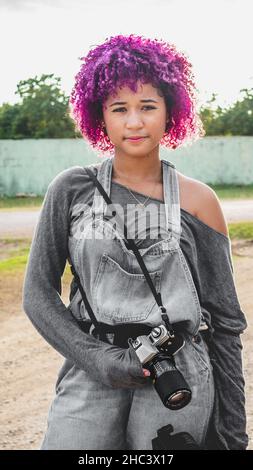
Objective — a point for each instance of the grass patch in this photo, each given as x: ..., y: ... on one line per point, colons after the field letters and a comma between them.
x: 233, y: 192
x: 21, y: 202
x: 18, y: 263
x: 241, y: 230
x: 13, y: 264
x: 14, y: 254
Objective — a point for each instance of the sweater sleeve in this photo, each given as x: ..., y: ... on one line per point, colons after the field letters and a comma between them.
x: 219, y: 299
x: 41, y: 297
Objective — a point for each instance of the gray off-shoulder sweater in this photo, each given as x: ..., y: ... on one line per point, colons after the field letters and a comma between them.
x: 208, y: 254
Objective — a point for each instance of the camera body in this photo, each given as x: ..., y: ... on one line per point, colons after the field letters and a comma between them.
x: 165, y: 440
x: 160, y: 339
x: 156, y: 353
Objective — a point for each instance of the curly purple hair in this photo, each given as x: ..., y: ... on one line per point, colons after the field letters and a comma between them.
x: 122, y: 61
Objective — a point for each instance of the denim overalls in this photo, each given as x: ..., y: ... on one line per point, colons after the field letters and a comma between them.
x: 85, y: 414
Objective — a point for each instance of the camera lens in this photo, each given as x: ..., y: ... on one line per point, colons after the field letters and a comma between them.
x: 179, y: 400
x: 170, y: 383
x: 176, y: 398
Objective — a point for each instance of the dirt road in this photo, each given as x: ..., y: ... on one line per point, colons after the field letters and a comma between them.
x: 30, y: 365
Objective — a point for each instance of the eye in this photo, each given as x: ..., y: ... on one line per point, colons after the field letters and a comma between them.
x: 119, y: 109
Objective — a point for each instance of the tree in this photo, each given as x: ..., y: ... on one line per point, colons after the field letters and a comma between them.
x: 238, y: 120
x: 8, y: 114
x: 42, y: 113
x: 235, y: 120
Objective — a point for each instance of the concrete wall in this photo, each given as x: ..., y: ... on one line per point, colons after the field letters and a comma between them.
x: 28, y: 165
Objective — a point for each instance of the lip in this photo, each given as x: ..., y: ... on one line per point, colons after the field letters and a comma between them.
x: 135, y: 138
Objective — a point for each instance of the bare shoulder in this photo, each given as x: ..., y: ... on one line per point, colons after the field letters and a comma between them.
x: 201, y: 201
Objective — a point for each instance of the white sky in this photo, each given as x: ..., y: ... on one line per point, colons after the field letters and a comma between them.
x: 216, y: 35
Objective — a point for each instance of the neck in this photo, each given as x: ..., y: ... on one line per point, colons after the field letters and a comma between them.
x: 137, y: 169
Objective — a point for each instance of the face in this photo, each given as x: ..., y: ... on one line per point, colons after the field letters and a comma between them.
x: 131, y: 114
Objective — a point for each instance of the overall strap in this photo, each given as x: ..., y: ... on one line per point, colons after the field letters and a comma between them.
x: 98, y: 329
x: 172, y: 199
x: 131, y: 245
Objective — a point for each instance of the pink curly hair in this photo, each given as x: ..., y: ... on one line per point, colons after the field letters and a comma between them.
x: 122, y: 61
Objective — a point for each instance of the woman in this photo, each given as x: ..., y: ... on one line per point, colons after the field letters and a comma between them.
x: 131, y: 95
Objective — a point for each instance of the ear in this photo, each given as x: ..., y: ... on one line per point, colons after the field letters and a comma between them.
x: 167, y: 120
x: 103, y: 127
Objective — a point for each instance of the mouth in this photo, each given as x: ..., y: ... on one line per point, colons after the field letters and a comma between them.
x: 135, y: 139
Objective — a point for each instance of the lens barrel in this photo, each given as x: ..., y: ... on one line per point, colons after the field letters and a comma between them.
x: 170, y: 384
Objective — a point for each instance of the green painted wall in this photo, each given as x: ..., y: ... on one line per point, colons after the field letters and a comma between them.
x: 28, y: 165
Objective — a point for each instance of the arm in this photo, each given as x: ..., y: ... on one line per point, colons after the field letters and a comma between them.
x: 219, y: 298
x: 113, y: 366
x: 228, y: 426
x: 228, y: 323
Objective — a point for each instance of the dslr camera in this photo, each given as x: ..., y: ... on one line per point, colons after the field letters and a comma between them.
x: 165, y: 440
x: 156, y: 353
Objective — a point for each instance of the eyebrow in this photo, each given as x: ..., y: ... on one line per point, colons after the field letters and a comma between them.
x: 124, y: 102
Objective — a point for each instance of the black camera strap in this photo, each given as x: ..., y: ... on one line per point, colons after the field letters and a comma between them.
x: 130, y: 245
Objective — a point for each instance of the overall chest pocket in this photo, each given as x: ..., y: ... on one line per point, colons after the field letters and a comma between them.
x: 121, y: 296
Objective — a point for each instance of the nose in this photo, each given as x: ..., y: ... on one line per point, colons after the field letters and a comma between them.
x: 134, y: 121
